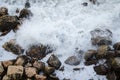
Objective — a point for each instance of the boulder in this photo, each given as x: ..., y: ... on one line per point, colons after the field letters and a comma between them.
x: 53, y: 61
x: 3, y: 11
x: 39, y: 65
x: 102, y: 51
x: 8, y: 23
x: 90, y: 55
x: 30, y: 72
x: 72, y: 60
x: 116, y: 46
x: 40, y: 77
x: 15, y: 72
x: 101, y: 37
x: 11, y: 46
x: 38, y: 52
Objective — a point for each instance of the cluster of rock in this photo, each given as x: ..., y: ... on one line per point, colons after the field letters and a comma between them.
x: 8, y: 22
x: 106, y: 58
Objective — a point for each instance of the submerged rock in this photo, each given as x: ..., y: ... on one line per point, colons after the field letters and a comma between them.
x: 73, y: 60
x: 3, y: 11
x: 11, y: 46
x: 101, y: 37
x: 53, y: 61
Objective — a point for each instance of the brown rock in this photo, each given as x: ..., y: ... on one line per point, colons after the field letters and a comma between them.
x: 3, y: 11
x: 116, y: 46
x: 72, y: 60
x: 30, y: 72
x: 1, y: 69
x: 53, y: 61
x: 15, y: 72
x: 28, y: 64
x: 91, y: 62
x: 40, y: 77
x: 39, y: 65
x: 6, y: 78
x: 49, y: 70
x: 8, y: 63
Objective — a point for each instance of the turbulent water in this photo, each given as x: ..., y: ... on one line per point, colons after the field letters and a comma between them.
x: 65, y: 25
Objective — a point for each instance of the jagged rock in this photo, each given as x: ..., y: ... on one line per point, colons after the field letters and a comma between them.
x: 3, y: 11
x: 49, y: 70
x: 39, y: 65
x: 111, y: 76
x: 21, y: 60
x: 101, y: 70
x: 8, y: 23
x: 72, y: 60
x: 102, y: 51
x: 90, y: 55
x: 11, y: 46
x: 116, y: 46
x: 30, y: 72
x: 91, y: 62
x: 25, y: 13
x: 53, y: 61
x: 1, y: 69
x: 40, y: 77
x: 6, y: 78
x: 15, y: 72
x: 8, y: 63
x: 38, y: 52
x: 101, y: 37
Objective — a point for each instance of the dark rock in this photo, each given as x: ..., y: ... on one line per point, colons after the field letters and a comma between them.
x: 39, y: 65
x: 49, y: 70
x: 53, y: 77
x: 111, y: 76
x: 87, y: 63
x: 8, y: 23
x: 85, y: 4
x: 53, y: 61
x: 27, y: 4
x: 90, y: 55
x: 116, y: 46
x: 62, y: 68
x: 3, y: 11
x: 66, y: 79
x: 101, y: 70
x: 73, y: 60
x: 38, y: 52
x: 17, y: 10
x: 25, y: 13
x: 101, y: 37
x: 1, y: 69
x: 11, y: 46
x: 110, y: 54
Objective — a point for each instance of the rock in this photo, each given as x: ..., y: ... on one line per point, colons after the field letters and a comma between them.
x: 91, y: 62
x: 38, y: 52
x: 21, y: 60
x: 85, y: 4
x: 90, y: 55
x: 25, y: 13
x: 53, y: 77
x: 6, y: 78
x: 30, y: 72
x: 62, y: 68
x: 15, y: 72
x: 116, y: 46
x: 101, y: 37
x: 73, y: 60
x: 40, y: 77
x: 3, y: 11
x: 1, y: 69
x: 53, y: 61
x: 101, y: 70
x: 17, y: 10
x: 8, y: 63
x: 27, y: 4
x: 111, y: 76
x: 102, y: 51
x: 49, y: 70
x: 8, y: 23
x: 39, y: 65
x: 111, y: 54
x: 28, y: 64
x: 11, y: 46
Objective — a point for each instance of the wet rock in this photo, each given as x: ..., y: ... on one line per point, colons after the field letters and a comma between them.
x: 3, y: 11
x: 25, y: 13
x: 38, y: 52
x: 91, y: 62
x: 11, y: 46
x: 101, y: 37
x: 116, y: 46
x: 40, y: 77
x: 73, y: 60
x: 53, y: 61
x: 90, y: 55
x: 101, y: 70
x: 49, y: 70
x: 111, y: 76
x: 39, y: 65
x: 21, y: 60
x: 15, y: 72
x: 102, y: 51
x: 8, y: 23
x: 30, y: 72
x: 1, y: 69
x: 8, y: 63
